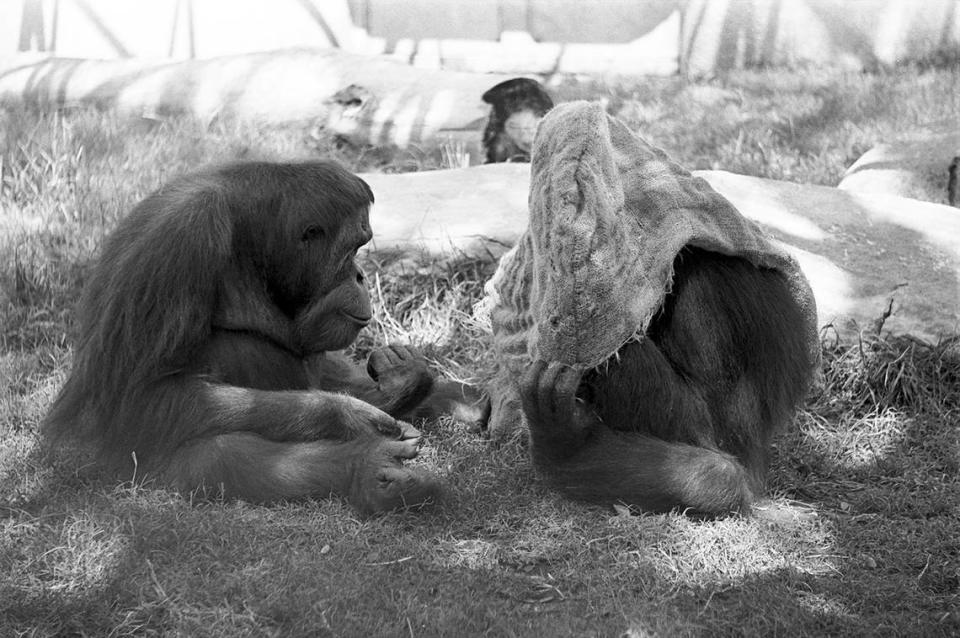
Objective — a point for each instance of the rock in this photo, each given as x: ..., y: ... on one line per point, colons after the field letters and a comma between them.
x: 917, y: 168
x: 858, y: 250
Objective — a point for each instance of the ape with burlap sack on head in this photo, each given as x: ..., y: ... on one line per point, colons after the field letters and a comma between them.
x: 651, y: 337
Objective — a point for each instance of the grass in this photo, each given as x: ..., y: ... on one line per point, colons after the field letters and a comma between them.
x: 876, y: 450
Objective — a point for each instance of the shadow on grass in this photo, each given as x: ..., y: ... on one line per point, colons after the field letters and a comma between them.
x: 504, y: 557
x: 879, y: 453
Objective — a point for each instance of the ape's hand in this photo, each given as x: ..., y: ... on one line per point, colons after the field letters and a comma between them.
x: 557, y: 418
x: 402, y: 377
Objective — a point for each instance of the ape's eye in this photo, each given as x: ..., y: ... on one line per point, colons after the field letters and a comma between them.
x: 312, y: 233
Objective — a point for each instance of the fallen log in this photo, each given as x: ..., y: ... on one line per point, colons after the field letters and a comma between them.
x: 367, y: 99
x: 859, y: 250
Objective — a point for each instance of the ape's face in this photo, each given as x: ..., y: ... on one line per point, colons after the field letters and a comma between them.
x: 299, y: 228
x: 517, y: 106
x: 335, y: 303
x: 521, y: 127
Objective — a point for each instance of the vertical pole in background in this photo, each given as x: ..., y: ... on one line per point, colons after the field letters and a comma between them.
x: 514, y: 15
x: 31, y: 27
x: 682, y: 9
x: 54, y: 25
x: 182, y: 13
x: 317, y: 15
x: 190, y: 33
x: 173, y: 30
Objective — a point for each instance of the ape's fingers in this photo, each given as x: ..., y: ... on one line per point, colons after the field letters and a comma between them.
x: 392, y: 355
x: 406, y: 449
x: 530, y: 388
x: 407, y: 431
x: 392, y: 429
x: 381, y: 360
x: 565, y: 390
x: 550, y: 402
x: 404, y: 353
x: 374, y: 364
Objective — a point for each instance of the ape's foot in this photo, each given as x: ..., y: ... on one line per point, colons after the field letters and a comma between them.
x: 382, y: 483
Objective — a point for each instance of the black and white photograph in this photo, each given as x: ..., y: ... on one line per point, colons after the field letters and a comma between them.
x: 443, y: 318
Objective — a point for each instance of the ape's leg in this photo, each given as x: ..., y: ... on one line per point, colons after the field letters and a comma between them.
x: 202, y: 409
x: 367, y: 471
x: 640, y: 391
x: 586, y: 459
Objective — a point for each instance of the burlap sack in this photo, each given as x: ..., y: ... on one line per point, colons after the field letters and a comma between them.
x: 608, y: 215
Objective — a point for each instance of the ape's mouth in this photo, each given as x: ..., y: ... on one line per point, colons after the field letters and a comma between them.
x: 360, y: 320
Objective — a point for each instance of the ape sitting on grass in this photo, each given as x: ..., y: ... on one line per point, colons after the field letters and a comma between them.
x: 653, y: 338
x: 207, y: 355
x: 682, y: 418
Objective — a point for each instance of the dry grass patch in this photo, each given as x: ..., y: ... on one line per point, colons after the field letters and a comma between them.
x: 876, y: 451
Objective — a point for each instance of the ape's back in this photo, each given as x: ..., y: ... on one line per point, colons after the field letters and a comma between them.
x: 733, y: 334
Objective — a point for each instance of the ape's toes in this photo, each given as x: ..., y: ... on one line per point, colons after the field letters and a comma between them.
x: 402, y: 487
x: 403, y: 449
x: 391, y: 429
x: 382, y: 483
x: 407, y: 431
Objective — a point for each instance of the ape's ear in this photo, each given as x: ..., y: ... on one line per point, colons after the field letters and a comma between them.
x: 152, y: 295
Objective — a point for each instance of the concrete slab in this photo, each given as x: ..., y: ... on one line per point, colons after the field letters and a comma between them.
x: 858, y: 250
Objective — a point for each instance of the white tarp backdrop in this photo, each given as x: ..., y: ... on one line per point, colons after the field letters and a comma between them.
x: 510, y: 36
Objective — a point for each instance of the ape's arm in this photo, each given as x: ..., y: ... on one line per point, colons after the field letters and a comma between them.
x: 294, y: 415
x: 397, y: 379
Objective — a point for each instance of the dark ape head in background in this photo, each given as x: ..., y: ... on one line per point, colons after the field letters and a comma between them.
x: 206, y: 355
x: 953, y: 197
x: 517, y: 106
